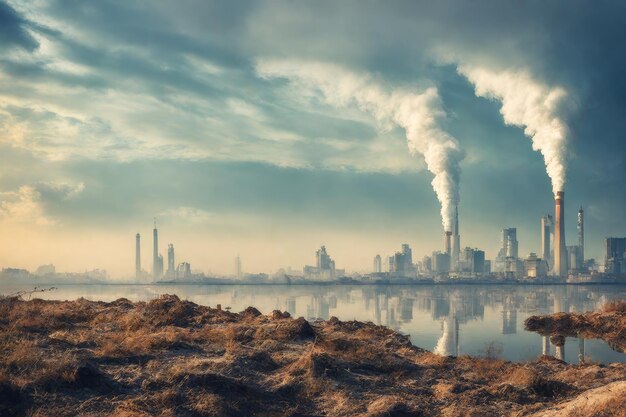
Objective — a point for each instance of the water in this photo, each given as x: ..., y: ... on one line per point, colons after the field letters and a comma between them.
x: 451, y: 320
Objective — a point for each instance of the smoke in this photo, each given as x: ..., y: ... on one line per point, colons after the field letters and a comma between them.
x: 532, y: 105
x: 417, y: 112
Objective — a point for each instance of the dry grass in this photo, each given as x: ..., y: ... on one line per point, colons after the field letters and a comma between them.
x: 170, y: 357
x: 608, y: 324
x: 616, y: 306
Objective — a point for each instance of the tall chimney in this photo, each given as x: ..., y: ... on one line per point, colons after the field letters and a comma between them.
x: 447, y: 244
x: 137, y: 256
x: 560, y: 254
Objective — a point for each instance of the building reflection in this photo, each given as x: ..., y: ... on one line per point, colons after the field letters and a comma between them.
x: 436, y: 314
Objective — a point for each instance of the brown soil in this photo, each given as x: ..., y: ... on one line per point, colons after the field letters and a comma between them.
x: 608, y: 324
x: 170, y: 357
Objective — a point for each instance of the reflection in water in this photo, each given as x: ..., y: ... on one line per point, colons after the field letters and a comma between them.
x: 545, y: 345
x: 581, y: 350
x: 449, y: 319
x: 448, y: 343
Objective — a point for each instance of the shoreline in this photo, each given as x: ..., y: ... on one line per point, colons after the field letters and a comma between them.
x: 322, y: 283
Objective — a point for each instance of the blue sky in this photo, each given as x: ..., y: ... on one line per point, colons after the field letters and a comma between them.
x: 114, y: 112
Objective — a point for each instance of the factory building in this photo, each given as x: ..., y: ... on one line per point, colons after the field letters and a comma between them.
x: 401, y: 263
x: 440, y: 262
x: 615, y: 255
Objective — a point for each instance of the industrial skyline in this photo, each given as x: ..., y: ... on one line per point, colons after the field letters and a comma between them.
x: 555, y: 258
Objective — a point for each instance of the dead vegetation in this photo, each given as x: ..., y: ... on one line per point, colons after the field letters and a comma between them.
x: 169, y: 357
x: 608, y: 324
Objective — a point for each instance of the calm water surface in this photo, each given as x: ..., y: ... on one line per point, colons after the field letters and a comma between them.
x: 450, y: 320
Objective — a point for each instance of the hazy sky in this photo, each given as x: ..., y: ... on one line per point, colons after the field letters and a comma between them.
x: 227, y: 121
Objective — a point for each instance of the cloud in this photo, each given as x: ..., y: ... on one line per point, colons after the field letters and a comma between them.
x: 24, y: 206
x: 13, y: 30
x: 187, y: 214
x: 28, y: 203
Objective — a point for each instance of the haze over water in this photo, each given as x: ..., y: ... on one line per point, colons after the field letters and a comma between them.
x: 430, y: 314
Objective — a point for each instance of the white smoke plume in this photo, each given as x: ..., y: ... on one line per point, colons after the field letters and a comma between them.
x: 417, y: 112
x: 532, y: 105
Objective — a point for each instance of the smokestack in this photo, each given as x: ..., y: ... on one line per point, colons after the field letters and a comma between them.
x: 581, y: 238
x: 137, y: 256
x: 446, y: 243
x: 560, y: 255
x: 456, y: 242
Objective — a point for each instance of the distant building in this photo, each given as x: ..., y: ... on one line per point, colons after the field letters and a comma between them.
x: 171, y: 263
x: 156, y: 270
x: 487, y: 267
x: 325, y: 267
x: 238, y: 272
x: 478, y: 263
x: 547, y: 222
x: 513, y: 267
x: 159, y: 266
x: 137, y: 256
x: 573, y: 258
x: 427, y: 265
x: 472, y: 260
x: 378, y: 264
x: 183, y: 271
x: 45, y: 270
x: 401, y: 263
x: 441, y: 262
x: 535, y: 267
x: 614, y: 255
x: 508, y: 249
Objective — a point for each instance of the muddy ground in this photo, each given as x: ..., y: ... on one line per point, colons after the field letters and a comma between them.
x: 169, y: 357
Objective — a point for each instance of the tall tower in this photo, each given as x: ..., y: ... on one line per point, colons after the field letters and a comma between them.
x: 581, y: 238
x: 456, y: 241
x: 155, y: 253
x: 171, y: 263
x: 137, y: 256
x: 560, y: 254
x: 238, y: 266
x: 546, y: 231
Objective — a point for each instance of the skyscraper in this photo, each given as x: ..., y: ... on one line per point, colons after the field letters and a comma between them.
x: 509, y: 242
x: 581, y: 239
x: 546, y: 235
x: 456, y: 241
x: 378, y: 264
x: 238, y: 266
x: 615, y: 255
x: 155, y: 253
x: 137, y: 256
x: 171, y: 264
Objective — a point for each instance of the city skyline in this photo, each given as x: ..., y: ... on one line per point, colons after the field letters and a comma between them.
x: 247, y: 141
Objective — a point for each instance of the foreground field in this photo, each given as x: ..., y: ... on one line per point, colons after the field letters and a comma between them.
x: 174, y: 358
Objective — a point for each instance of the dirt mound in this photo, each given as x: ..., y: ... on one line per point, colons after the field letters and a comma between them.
x: 172, y: 357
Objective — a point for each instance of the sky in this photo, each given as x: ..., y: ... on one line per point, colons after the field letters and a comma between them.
x: 265, y: 129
